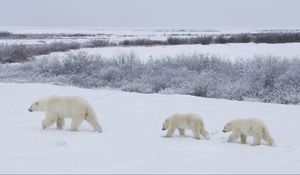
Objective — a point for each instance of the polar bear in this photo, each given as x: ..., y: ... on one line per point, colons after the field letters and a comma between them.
x: 248, y: 127
x: 185, y: 121
x: 59, y: 107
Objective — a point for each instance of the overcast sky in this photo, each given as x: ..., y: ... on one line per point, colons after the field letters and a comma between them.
x: 152, y: 13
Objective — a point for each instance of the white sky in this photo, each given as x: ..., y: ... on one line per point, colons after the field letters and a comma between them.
x: 152, y: 13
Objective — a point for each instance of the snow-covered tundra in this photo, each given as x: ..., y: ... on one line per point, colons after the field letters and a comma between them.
x: 133, y: 141
x: 59, y: 107
x: 241, y: 128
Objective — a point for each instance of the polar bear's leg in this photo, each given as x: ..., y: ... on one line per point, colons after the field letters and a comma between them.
x: 76, y: 123
x: 204, y: 133
x: 269, y: 140
x: 257, y: 139
x: 233, y: 136
x: 243, y: 139
x: 60, y: 123
x: 267, y: 137
x: 94, y: 122
x: 170, y: 131
x: 181, y: 132
x: 47, y: 122
x: 196, y: 133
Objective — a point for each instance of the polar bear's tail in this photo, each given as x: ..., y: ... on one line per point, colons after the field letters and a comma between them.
x: 267, y: 137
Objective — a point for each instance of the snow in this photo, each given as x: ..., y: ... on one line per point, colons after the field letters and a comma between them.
x: 137, y: 30
x: 226, y: 51
x: 132, y: 140
x: 124, y: 30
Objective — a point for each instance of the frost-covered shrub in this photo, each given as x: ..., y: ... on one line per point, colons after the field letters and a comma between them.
x: 110, y: 74
x: 98, y: 43
x: 177, y: 40
x: 267, y: 37
x: 141, y: 42
x: 4, y: 34
x: 16, y: 53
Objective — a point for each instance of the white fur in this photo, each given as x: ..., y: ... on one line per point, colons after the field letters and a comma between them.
x: 59, y: 107
x: 241, y: 128
x: 185, y: 121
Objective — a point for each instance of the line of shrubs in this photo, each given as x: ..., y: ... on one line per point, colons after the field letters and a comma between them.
x: 9, y: 35
x: 16, y: 53
x: 21, y: 53
x: 271, y: 38
x: 263, y: 37
x: 263, y: 78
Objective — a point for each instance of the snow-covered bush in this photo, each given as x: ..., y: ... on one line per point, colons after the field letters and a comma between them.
x: 16, y: 53
x: 98, y: 43
x: 269, y: 37
x: 141, y: 42
x: 4, y: 34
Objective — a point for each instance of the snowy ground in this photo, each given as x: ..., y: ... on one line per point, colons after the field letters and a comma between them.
x: 132, y: 140
x: 226, y: 51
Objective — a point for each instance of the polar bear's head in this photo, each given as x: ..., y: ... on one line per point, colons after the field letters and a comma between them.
x: 228, y: 127
x: 36, y: 106
x: 165, y: 125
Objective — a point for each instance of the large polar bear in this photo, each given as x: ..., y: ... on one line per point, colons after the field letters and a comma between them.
x: 248, y: 127
x: 59, y: 107
x: 185, y: 121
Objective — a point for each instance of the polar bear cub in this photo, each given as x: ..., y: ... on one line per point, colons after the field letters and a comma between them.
x: 59, y: 107
x: 185, y: 121
x: 241, y: 128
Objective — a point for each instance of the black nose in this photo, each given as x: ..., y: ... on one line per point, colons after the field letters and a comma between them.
x: 30, y: 110
x: 224, y: 131
x: 163, y: 129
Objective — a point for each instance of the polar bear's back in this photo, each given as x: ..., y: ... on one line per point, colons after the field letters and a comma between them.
x: 188, y: 116
x: 258, y: 124
x: 71, y: 100
x: 67, y: 105
x: 186, y: 120
x: 255, y: 122
x: 249, y: 120
x: 250, y: 125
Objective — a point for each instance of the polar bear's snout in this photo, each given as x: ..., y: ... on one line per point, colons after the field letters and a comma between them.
x: 31, y: 108
x: 165, y: 125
